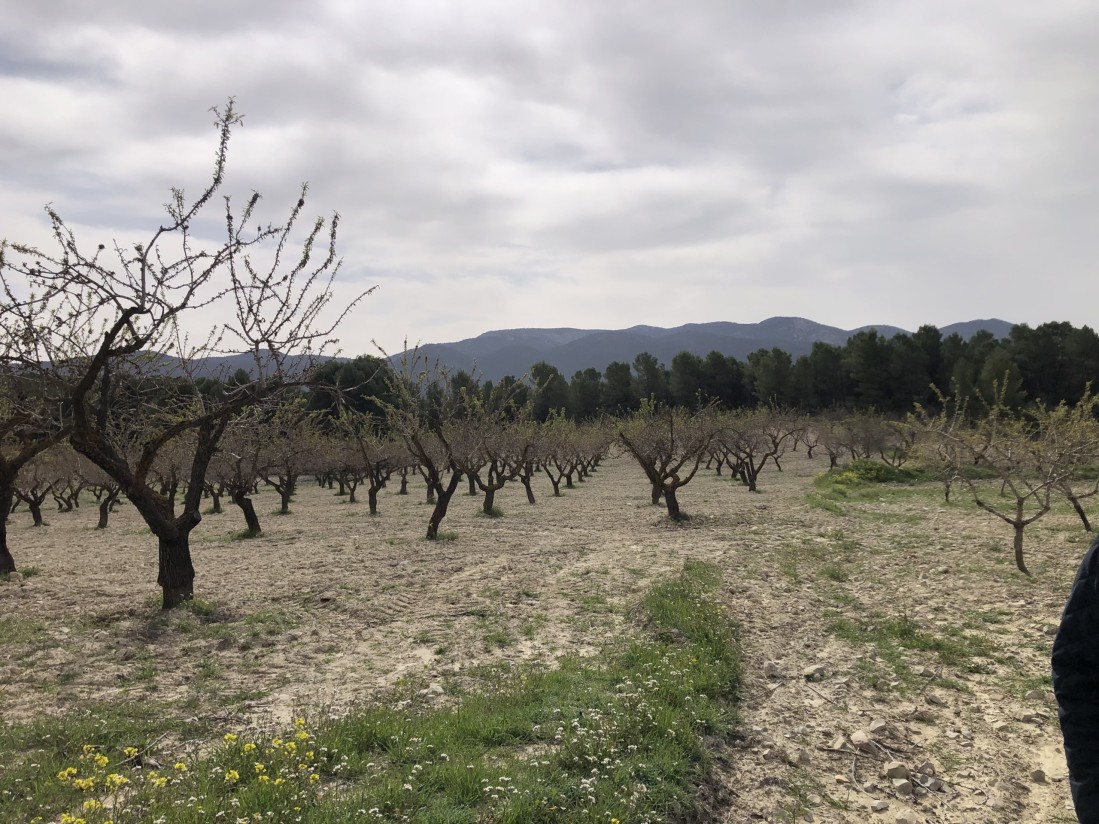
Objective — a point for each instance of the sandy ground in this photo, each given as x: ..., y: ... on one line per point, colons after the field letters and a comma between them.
x: 331, y: 607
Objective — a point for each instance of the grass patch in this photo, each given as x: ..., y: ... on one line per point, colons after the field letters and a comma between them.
x: 864, y: 480
x: 891, y: 636
x: 16, y: 631
x: 621, y: 736
x: 820, y: 502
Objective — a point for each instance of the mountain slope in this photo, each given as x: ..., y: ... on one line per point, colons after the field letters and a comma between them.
x: 514, y: 351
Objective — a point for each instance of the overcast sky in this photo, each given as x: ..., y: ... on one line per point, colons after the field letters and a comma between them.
x: 594, y: 164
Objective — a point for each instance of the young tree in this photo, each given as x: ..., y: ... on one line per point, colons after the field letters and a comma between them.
x: 237, y: 465
x: 422, y: 412
x: 1030, y: 454
x: 31, y: 414
x: 109, y: 321
x: 292, y: 440
x: 669, y: 444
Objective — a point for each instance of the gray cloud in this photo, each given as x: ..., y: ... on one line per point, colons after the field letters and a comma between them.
x: 519, y: 163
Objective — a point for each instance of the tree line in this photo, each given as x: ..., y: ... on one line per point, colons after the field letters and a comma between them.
x: 1047, y: 364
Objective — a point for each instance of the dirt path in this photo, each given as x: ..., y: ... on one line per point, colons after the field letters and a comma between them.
x: 331, y: 606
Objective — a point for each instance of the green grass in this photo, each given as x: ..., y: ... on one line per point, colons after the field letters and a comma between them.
x: 891, y: 636
x: 864, y: 480
x: 619, y: 736
x: 15, y: 631
x: 820, y: 502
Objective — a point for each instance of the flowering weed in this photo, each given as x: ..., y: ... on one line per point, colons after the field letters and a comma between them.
x: 619, y: 739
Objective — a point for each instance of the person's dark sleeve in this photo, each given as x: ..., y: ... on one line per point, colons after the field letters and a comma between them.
x: 1076, y: 684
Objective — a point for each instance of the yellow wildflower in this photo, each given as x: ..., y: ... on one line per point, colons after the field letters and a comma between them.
x: 114, y: 781
x: 179, y: 766
x: 248, y: 747
x: 314, y: 778
x: 93, y: 804
x: 260, y: 768
x: 302, y: 735
x: 290, y: 747
x: 101, y: 761
x: 85, y: 784
x: 232, y: 776
x: 230, y: 738
x: 130, y: 752
x: 66, y: 774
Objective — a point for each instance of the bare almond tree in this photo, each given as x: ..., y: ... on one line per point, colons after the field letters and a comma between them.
x: 421, y: 410
x: 1030, y: 454
x: 669, y: 444
x: 112, y: 323
x: 31, y: 417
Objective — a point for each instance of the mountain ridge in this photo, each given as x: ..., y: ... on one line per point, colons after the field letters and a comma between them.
x: 503, y: 352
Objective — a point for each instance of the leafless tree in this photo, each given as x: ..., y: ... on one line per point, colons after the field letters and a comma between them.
x: 31, y: 415
x: 112, y: 324
x: 1030, y: 454
x: 292, y: 439
x: 669, y: 445
x: 421, y: 410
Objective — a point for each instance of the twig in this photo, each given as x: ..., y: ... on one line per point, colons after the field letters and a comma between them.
x: 821, y: 694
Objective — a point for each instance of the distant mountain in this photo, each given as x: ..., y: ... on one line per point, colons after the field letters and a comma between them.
x: 514, y: 351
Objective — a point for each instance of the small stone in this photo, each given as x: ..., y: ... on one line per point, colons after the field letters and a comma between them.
x: 879, y: 806
x: 906, y: 818
x: 935, y: 700
x: 895, y: 769
x: 15, y: 577
x: 1038, y: 776
x: 772, y: 670
x: 924, y: 716
x: 814, y: 672
x: 862, y: 740
x: 925, y: 672
x: 943, y: 570
x: 934, y: 784
x: 814, y: 799
x: 842, y: 779
x: 432, y: 690
x: 902, y: 786
x: 1028, y: 717
x: 878, y: 725
x: 1035, y: 695
x: 926, y: 768
x: 1000, y: 726
x: 804, y: 759
x: 838, y: 743
x: 1050, y: 629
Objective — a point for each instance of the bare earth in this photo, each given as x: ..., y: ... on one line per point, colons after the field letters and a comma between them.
x: 332, y: 607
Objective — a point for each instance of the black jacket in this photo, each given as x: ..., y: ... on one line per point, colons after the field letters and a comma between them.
x: 1076, y: 685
